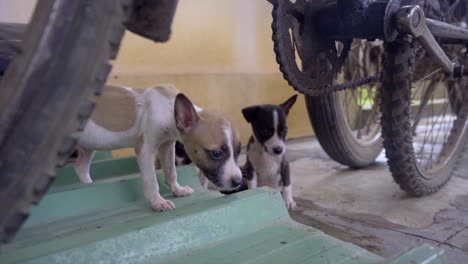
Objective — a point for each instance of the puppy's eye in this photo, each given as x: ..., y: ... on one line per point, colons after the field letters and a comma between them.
x: 284, y: 130
x: 216, y: 154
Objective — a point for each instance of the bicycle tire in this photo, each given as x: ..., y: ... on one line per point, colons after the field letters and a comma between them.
x: 397, y: 128
x: 332, y: 131
x: 47, y: 95
x: 346, y: 123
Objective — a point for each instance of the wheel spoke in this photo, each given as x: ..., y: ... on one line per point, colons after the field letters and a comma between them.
x: 436, y: 119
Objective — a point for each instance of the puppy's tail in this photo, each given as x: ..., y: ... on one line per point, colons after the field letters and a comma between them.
x: 241, y: 188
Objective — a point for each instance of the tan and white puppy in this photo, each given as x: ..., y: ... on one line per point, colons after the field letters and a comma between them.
x: 150, y: 121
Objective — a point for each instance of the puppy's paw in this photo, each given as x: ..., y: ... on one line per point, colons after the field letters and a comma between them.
x: 162, y: 204
x: 182, y: 190
x: 290, y: 204
x: 87, y: 181
x: 86, y: 178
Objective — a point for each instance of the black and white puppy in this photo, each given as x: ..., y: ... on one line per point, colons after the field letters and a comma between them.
x: 266, y: 163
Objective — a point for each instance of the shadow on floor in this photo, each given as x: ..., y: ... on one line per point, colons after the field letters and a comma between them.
x: 367, y: 208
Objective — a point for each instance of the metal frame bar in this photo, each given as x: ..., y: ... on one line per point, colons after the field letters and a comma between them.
x: 411, y: 20
x: 444, y: 30
x: 358, y: 19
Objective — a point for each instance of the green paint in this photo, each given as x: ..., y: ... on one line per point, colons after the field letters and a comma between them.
x: 106, y: 194
x: 138, y: 233
x: 101, y: 169
x: 278, y: 243
x: 110, y: 221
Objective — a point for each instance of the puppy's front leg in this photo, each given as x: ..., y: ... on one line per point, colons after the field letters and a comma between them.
x: 167, y: 156
x: 82, y: 164
x: 287, y: 188
x: 145, y: 157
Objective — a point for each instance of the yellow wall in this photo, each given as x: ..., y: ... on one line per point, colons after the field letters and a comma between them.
x: 220, y: 55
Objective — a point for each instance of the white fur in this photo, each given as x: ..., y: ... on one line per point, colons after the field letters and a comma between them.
x: 83, y: 163
x: 178, y: 160
x: 275, y: 140
x: 288, y: 198
x: 197, y: 108
x: 231, y: 168
x: 155, y: 122
x: 99, y: 138
x: 267, y: 166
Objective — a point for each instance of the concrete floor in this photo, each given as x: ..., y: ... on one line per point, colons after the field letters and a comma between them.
x: 366, y: 207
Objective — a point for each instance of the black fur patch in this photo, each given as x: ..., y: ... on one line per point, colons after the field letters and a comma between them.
x: 248, y: 171
x: 181, y: 153
x: 262, y: 121
x: 285, y: 174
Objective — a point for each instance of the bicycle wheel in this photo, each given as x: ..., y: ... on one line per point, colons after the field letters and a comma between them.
x: 346, y: 123
x: 424, y: 112
x: 46, y: 96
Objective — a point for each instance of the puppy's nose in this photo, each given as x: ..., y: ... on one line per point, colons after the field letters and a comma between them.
x: 236, y: 181
x: 278, y: 150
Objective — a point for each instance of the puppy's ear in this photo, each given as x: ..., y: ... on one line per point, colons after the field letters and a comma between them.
x: 249, y: 113
x: 185, y: 115
x: 288, y: 104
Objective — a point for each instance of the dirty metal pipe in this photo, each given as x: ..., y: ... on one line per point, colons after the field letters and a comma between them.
x: 444, y: 30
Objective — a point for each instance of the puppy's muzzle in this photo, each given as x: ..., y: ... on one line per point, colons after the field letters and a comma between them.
x: 278, y: 150
x: 236, y: 182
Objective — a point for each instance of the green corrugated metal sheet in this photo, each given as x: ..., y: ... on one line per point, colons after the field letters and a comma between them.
x: 110, y: 222
x: 100, y: 169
